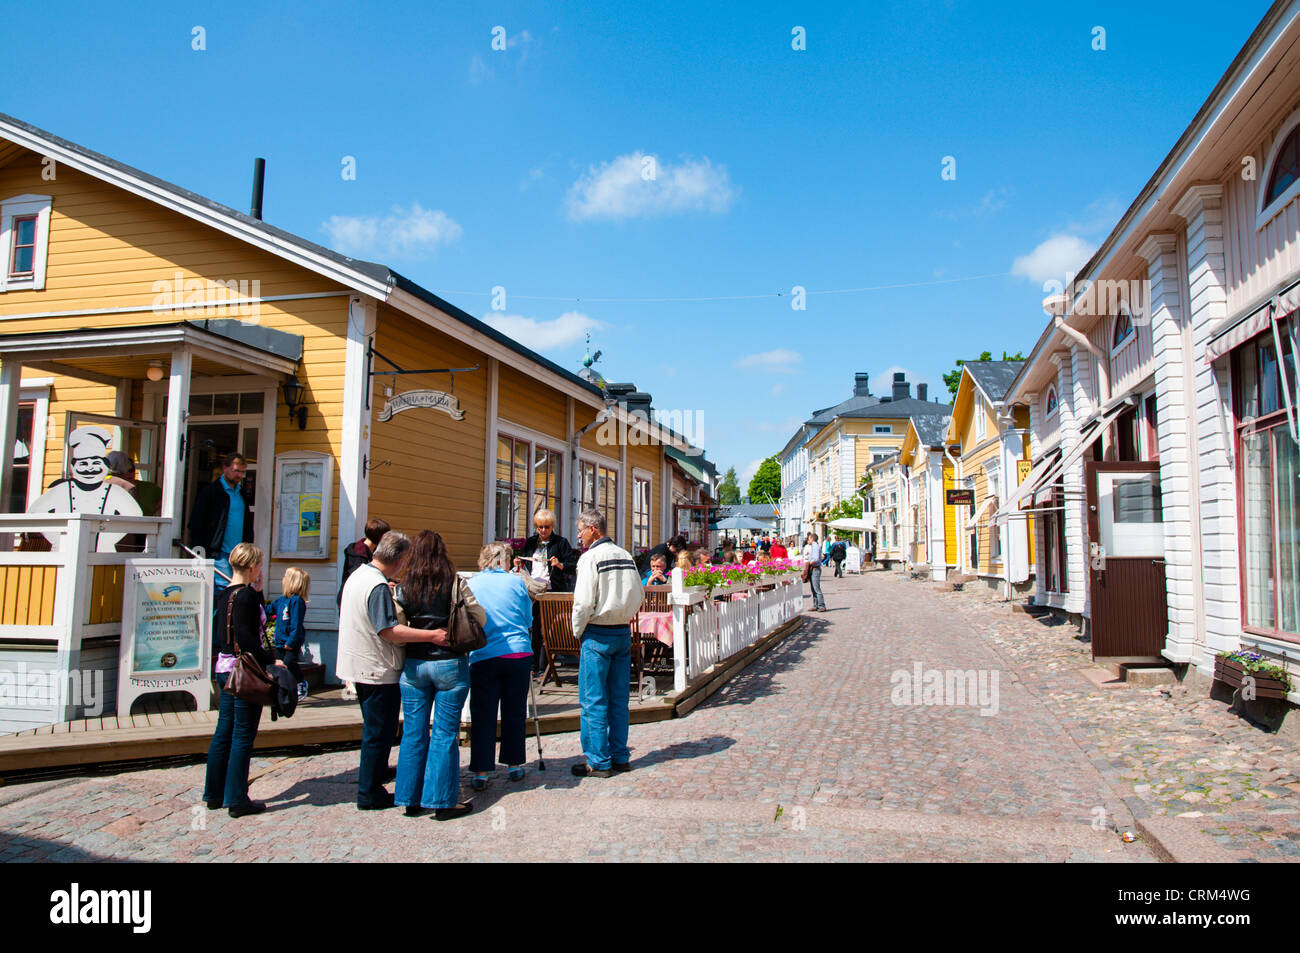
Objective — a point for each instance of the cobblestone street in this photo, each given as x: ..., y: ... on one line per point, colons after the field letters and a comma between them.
x: 807, y: 755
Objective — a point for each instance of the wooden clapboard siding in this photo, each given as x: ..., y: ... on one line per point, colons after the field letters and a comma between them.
x: 949, y: 516
x: 650, y: 459
x: 1256, y: 259
x: 529, y: 403
x: 435, y: 479
x: 106, y: 588
x: 107, y: 247
x: 27, y: 595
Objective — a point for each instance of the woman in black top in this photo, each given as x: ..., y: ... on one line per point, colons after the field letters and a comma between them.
x: 236, y: 628
x: 435, y: 681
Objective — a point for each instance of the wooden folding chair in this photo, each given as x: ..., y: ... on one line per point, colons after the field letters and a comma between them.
x: 557, y: 630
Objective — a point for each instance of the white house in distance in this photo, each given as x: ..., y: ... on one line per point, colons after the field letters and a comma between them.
x: 1162, y: 393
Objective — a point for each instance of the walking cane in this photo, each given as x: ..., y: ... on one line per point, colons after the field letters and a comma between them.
x: 537, y: 727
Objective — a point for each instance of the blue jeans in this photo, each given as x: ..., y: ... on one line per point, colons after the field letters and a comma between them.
x: 604, y: 677
x: 815, y: 581
x: 231, y: 750
x: 428, y: 769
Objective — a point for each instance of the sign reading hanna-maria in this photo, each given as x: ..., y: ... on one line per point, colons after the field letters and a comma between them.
x: 438, y: 400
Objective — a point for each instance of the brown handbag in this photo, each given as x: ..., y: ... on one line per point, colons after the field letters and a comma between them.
x: 806, y: 574
x: 464, y: 634
x: 247, y: 681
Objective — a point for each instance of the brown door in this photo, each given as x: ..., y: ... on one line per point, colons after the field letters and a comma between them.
x: 1126, y: 559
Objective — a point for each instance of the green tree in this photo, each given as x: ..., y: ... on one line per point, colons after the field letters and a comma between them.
x: 765, y: 487
x: 850, y: 508
x: 728, y: 489
x: 953, y: 377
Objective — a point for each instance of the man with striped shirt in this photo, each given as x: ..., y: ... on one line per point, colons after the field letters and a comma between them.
x: 606, y: 598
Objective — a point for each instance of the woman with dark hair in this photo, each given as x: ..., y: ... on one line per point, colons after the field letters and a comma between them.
x: 435, y: 680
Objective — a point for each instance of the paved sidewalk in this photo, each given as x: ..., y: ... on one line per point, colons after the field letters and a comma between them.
x: 805, y: 756
x: 1169, y: 752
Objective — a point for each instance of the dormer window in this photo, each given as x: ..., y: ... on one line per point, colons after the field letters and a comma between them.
x: 24, y: 241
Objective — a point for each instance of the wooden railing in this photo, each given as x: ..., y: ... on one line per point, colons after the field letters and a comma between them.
x: 709, y: 628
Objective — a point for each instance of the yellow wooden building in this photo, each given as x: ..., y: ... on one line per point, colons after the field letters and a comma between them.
x: 928, y: 474
x: 187, y: 329
x: 987, y: 441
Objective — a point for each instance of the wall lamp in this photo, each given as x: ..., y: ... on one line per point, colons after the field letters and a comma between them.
x: 293, y: 392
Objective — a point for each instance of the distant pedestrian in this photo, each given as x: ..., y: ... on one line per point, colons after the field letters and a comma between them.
x: 605, y: 601
x: 812, y: 556
x: 370, y: 655
x: 839, y: 552
x: 779, y: 551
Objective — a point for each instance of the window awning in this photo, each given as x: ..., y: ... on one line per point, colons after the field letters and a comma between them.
x: 1087, y: 437
x: 1235, y: 332
x: 984, y: 508
x: 1030, y: 483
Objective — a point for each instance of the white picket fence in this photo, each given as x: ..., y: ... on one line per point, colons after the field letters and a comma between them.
x: 709, y: 629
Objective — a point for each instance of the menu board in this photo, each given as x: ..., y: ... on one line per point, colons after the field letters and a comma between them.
x: 166, y: 630
x: 303, y: 485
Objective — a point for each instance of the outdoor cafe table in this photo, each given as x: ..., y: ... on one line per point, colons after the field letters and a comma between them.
x: 659, y: 624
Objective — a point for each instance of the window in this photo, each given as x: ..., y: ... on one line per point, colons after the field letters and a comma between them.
x: 600, y: 490
x: 1268, y: 481
x: 882, y: 428
x: 24, y: 238
x: 981, y: 420
x: 525, y: 472
x: 1050, y: 405
x: 640, y: 513
x: 1054, y: 548
x: 1123, y: 329
x: 995, y: 535
x: 23, y: 453
x: 1286, y: 168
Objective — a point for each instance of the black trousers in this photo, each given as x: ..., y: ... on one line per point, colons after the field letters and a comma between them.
x: 380, y: 706
x: 839, y: 567
x: 498, y: 682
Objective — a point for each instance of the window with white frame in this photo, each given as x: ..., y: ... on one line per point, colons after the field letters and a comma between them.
x: 882, y: 428
x: 1282, y: 181
x: 525, y: 471
x: 640, y: 512
x: 1050, y: 403
x: 981, y: 419
x: 24, y: 241
x: 600, y: 490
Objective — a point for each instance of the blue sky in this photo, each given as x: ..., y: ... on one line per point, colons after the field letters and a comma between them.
x: 667, y: 151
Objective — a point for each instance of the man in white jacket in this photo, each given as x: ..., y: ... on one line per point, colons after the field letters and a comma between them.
x: 606, y: 598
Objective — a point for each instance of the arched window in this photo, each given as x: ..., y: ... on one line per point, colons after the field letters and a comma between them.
x: 1286, y: 168
x: 1123, y: 328
x: 1051, y: 401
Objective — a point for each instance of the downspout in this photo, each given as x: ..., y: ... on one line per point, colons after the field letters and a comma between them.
x: 1077, y: 336
x: 575, y: 467
x: 1002, y: 496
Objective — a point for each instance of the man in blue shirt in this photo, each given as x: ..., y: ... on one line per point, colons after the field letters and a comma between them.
x: 221, y: 518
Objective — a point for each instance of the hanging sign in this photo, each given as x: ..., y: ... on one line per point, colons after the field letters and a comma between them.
x: 438, y: 400
x: 960, y: 497
x: 166, y: 629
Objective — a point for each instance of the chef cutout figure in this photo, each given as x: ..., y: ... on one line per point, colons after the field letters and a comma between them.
x: 88, y: 489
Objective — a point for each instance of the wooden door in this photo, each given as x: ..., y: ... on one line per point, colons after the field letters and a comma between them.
x: 1126, y: 559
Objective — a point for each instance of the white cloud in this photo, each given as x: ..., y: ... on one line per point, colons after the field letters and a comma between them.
x: 406, y: 233
x: 778, y: 389
x: 780, y: 361
x: 637, y: 185
x: 1054, y: 258
x: 747, y: 474
x: 567, y: 329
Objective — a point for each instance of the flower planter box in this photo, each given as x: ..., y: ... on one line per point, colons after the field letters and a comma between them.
x: 1233, y: 673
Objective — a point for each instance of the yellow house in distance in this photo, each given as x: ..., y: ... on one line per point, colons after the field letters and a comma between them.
x: 988, y: 442
x: 185, y: 330
x: 855, y: 434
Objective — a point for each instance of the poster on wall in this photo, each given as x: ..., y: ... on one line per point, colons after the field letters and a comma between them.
x: 166, y: 629
x: 304, y: 482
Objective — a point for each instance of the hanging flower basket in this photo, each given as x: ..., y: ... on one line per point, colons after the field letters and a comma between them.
x: 1232, y: 668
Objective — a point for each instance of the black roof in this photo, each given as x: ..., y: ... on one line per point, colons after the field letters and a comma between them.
x: 994, y: 377
x: 907, y: 407
x: 845, y: 408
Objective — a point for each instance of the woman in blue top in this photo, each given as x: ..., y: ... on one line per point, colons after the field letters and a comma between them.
x: 499, y: 672
x: 290, y: 612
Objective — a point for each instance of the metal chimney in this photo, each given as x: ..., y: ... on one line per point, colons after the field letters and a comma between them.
x: 902, y: 389
x: 922, y: 391
x: 259, y: 174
